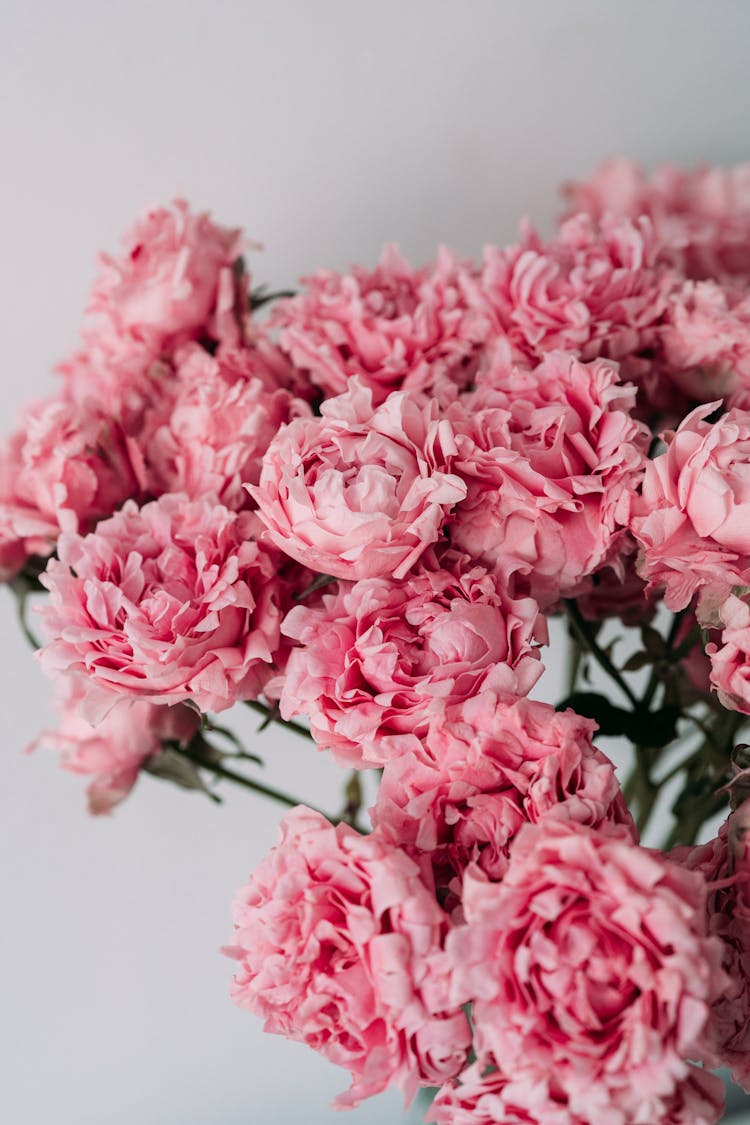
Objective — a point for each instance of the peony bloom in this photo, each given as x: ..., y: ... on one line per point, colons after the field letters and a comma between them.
x: 174, y: 281
x: 488, y: 1097
x: 465, y: 789
x: 729, y: 655
x: 209, y: 424
x: 722, y: 863
x: 551, y: 457
x: 378, y: 658
x: 701, y: 217
x: 361, y: 492
x: 63, y: 470
x: 393, y: 328
x: 693, y: 520
x: 114, y: 750
x: 594, y: 290
x: 590, y: 962
x: 173, y: 602
x: 333, y: 936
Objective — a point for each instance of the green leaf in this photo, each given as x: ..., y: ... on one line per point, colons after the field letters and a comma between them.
x: 637, y: 661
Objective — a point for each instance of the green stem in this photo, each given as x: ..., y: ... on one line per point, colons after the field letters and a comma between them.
x: 222, y: 771
x: 581, y: 629
x: 272, y: 715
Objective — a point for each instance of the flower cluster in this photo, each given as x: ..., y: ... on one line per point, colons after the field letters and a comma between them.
x: 361, y: 510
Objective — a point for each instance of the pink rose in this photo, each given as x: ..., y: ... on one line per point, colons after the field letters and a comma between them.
x: 465, y: 789
x: 362, y: 491
x: 701, y: 217
x: 173, y: 602
x: 174, y: 282
x: 391, y: 328
x: 693, y: 520
x: 333, y: 936
x: 63, y: 470
x: 590, y: 962
x: 552, y: 458
x: 378, y: 658
x: 209, y: 423
x: 115, y: 750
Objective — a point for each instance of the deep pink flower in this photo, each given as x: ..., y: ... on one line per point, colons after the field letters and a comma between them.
x: 173, y: 282
x: 378, y: 658
x: 701, y: 217
x: 362, y: 491
x: 65, y: 468
x: 590, y: 962
x: 172, y: 602
x: 393, y: 327
x: 333, y: 935
x: 693, y: 520
x: 551, y: 457
x: 209, y: 423
x: 114, y: 750
x: 463, y: 791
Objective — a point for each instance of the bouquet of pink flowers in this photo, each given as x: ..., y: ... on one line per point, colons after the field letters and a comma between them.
x: 353, y: 509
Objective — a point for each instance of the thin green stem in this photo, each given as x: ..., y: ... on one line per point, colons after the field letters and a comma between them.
x: 272, y: 715
x: 581, y: 629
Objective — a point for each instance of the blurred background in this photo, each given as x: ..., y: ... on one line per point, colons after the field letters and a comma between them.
x: 325, y: 130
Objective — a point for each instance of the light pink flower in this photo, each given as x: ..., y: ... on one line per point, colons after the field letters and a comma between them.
x: 487, y: 1097
x: 333, y: 935
x: 209, y: 423
x: 729, y: 654
x: 465, y: 789
x: 722, y: 862
x: 173, y: 282
x: 701, y: 216
x: 393, y: 327
x: 65, y: 468
x: 705, y: 342
x: 594, y: 290
x: 590, y: 962
x: 362, y: 491
x: 378, y: 658
x: 120, y: 382
x: 114, y: 750
x: 693, y: 520
x: 552, y: 457
x: 173, y: 602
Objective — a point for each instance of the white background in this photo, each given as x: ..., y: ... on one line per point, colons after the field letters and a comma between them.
x: 324, y: 129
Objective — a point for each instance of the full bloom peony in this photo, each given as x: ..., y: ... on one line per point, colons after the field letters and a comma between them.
x: 378, y: 658
x: 393, y: 327
x: 693, y: 520
x: 174, y: 281
x: 461, y: 793
x: 333, y: 935
x: 552, y: 458
x: 173, y: 602
x: 363, y: 491
x: 590, y: 962
x: 115, y: 750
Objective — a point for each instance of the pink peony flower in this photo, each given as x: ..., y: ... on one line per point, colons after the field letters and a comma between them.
x: 590, y: 963
x: 209, y: 423
x: 552, y: 458
x: 63, y: 470
x: 362, y: 491
x: 173, y: 602
x: 175, y: 281
x: 465, y: 789
x: 595, y: 290
x: 120, y: 382
x: 118, y: 746
x: 378, y: 658
x: 701, y: 217
x: 693, y: 520
x: 705, y: 342
x: 489, y: 1097
x: 617, y: 589
x: 333, y: 936
x: 394, y: 327
x: 722, y: 862
x: 729, y: 654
